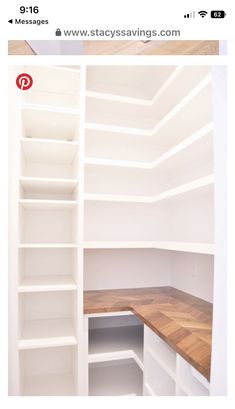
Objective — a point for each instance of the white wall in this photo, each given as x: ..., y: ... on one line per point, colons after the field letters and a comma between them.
x: 125, y: 221
x: 192, y: 216
x: 193, y: 273
x: 130, y: 268
x: 126, y: 268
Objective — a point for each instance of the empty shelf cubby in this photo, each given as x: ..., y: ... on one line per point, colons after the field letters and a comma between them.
x: 47, y: 226
x: 48, y: 372
x: 116, y: 378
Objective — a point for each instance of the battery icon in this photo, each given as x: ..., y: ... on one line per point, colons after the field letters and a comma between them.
x: 218, y: 14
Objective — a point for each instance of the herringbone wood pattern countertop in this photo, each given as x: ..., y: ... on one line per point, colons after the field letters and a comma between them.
x: 180, y: 319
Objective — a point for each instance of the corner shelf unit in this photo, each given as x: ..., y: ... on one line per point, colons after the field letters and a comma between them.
x: 148, y: 208
x: 115, y: 352
x: 112, y: 187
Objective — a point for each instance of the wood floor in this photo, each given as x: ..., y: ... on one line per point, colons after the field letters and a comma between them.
x: 20, y: 47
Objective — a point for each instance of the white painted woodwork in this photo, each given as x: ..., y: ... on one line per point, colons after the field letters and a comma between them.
x: 112, y: 177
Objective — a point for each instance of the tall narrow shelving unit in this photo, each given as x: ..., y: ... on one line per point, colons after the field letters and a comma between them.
x: 47, y: 191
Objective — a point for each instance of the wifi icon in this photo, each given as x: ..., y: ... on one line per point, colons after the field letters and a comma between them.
x: 202, y: 13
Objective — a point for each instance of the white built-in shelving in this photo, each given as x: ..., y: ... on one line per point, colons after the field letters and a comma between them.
x: 113, y: 187
x: 47, y: 333
x: 47, y: 204
x: 40, y: 283
x: 124, y: 378
x: 54, y: 86
x: 49, y: 371
x: 149, y: 186
x: 47, y: 245
x: 185, y: 188
x: 115, y: 351
x: 172, y: 154
x: 50, y: 109
x: 47, y: 187
x: 47, y: 123
x: 203, y: 248
x: 49, y: 150
x: 110, y: 343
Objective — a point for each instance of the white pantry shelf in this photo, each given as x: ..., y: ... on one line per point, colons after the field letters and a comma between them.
x: 117, y: 129
x: 48, y: 204
x: 42, y: 283
x: 118, y: 163
x: 118, y: 98
x: 118, y: 244
x: 50, y: 108
x: 203, y: 248
x: 49, y: 150
x: 183, y: 103
x: 48, y: 185
x: 171, y: 80
x: 108, y: 344
x: 53, y: 83
x: 112, y: 111
x: 47, y: 333
x: 47, y: 245
x: 184, y: 188
x: 96, y: 197
x: 58, y: 125
x: 170, y: 154
x: 190, y: 97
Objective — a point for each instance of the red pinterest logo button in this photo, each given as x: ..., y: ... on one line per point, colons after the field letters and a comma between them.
x: 24, y: 81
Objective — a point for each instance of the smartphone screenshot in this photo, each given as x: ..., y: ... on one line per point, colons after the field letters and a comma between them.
x: 117, y: 212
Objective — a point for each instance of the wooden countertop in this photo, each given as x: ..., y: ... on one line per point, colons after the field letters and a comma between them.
x: 180, y: 319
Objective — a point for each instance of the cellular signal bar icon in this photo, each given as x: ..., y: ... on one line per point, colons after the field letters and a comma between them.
x: 190, y: 15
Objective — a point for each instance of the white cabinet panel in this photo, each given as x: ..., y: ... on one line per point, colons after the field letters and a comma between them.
x: 160, y: 349
x: 156, y: 377
x: 190, y: 380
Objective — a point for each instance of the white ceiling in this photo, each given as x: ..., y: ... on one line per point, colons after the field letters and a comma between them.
x: 131, y: 81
